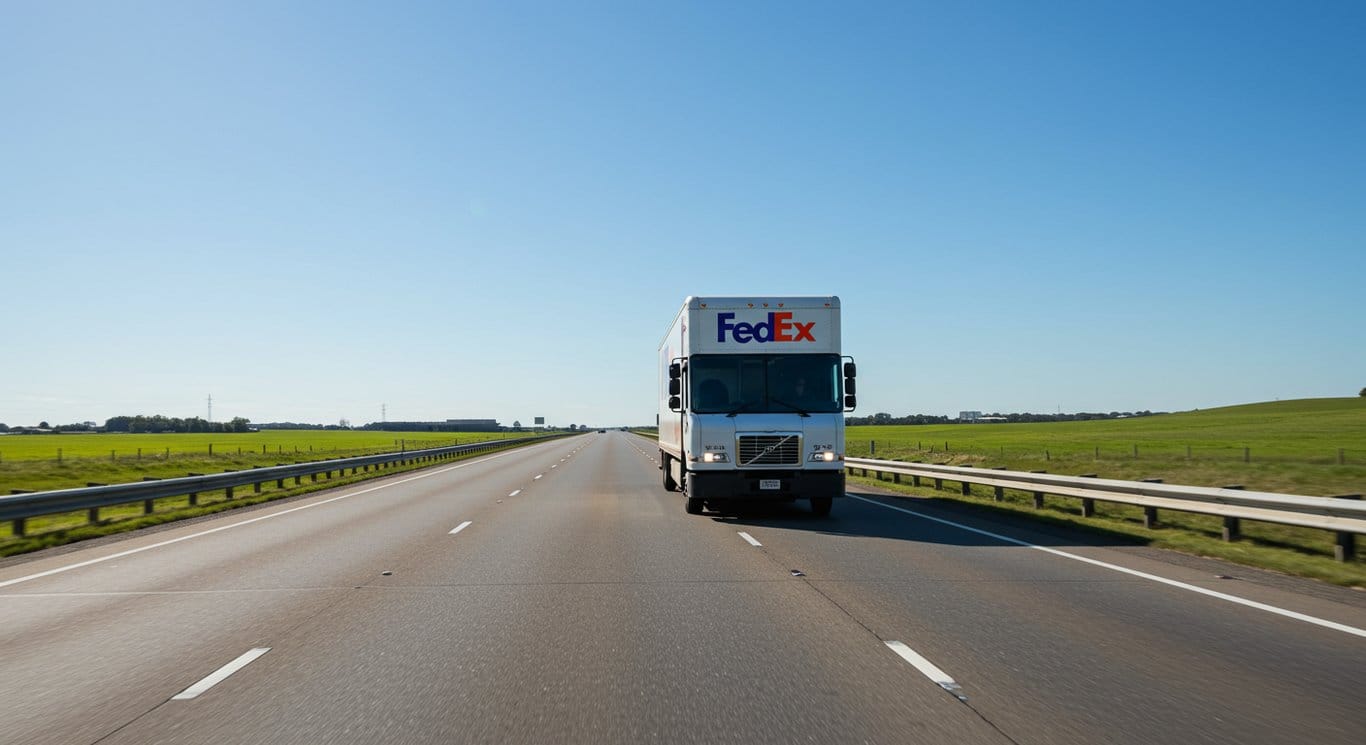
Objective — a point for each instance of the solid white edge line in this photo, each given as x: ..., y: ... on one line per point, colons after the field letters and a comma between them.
x: 461, y: 527
x: 927, y: 668
x: 1133, y: 572
x: 221, y: 674
x: 272, y: 515
x: 749, y: 538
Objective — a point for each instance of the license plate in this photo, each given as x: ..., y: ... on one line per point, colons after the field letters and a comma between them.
x: 770, y: 483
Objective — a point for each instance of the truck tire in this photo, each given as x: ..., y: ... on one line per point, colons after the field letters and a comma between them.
x: 693, y: 506
x: 820, y: 506
x: 665, y: 462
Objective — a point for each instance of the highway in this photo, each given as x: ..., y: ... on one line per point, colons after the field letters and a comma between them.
x: 556, y: 593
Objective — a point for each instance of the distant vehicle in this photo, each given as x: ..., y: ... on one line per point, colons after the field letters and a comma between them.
x: 752, y: 395
x: 602, y: 431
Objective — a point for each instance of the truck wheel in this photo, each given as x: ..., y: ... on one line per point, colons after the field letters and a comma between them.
x: 694, y: 506
x: 820, y: 506
x: 669, y: 483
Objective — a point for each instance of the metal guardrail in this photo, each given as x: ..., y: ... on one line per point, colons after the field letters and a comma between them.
x: 1344, y: 515
x: 20, y: 507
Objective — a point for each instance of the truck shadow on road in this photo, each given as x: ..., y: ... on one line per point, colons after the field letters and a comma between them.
x: 857, y: 518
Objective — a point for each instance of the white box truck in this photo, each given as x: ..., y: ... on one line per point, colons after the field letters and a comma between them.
x: 752, y: 395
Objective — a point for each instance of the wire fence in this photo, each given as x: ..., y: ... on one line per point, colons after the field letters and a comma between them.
x: 1340, y: 456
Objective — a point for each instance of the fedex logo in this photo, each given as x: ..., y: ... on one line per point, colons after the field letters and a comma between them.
x: 778, y: 327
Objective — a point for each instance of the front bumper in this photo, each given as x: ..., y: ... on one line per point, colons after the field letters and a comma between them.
x: 746, y: 484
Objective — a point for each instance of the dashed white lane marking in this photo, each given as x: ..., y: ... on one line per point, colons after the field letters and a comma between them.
x: 515, y: 493
x: 271, y: 516
x: 1134, y: 572
x: 538, y: 476
x: 749, y: 538
x: 928, y: 669
x: 461, y: 527
x: 554, y: 465
x: 221, y: 674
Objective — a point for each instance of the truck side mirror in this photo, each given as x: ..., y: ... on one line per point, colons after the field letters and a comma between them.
x: 850, y: 370
x: 850, y: 403
x: 850, y: 386
x: 675, y: 403
x: 675, y: 371
x: 675, y: 387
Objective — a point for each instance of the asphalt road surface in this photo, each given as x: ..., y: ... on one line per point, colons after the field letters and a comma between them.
x: 556, y: 593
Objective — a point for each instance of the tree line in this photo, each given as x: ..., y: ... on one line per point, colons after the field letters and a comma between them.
x: 159, y: 423
x: 1083, y: 416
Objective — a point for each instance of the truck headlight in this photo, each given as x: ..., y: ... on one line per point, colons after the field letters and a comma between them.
x: 715, y: 458
x: 823, y: 456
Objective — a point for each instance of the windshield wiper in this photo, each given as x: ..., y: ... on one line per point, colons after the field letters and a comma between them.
x: 739, y: 408
x: 797, y: 409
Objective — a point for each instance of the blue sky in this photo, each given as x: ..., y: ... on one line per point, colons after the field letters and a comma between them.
x: 484, y: 210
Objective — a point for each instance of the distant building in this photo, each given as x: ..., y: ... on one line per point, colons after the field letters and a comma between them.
x: 969, y: 416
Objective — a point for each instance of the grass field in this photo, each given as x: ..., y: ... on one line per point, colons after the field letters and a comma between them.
x: 1311, y: 446
x: 32, y: 462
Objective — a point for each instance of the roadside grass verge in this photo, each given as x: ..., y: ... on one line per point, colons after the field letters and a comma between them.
x: 1288, y: 549
x: 58, y: 529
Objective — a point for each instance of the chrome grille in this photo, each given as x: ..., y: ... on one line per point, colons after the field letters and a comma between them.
x: 769, y: 450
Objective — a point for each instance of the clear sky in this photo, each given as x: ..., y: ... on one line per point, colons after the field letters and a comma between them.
x: 493, y: 210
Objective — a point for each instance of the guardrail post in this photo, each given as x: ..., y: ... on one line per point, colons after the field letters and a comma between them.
x: 1149, y: 512
x: 298, y: 480
x: 229, y: 489
x: 20, y: 525
x: 92, y: 515
x: 1232, y: 526
x: 193, y: 497
x: 1232, y: 530
x: 1038, y: 495
x: 1344, y: 543
x: 999, y: 493
x: 938, y: 483
x: 256, y: 487
x: 1088, y: 505
x: 896, y: 478
x: 967, y: 487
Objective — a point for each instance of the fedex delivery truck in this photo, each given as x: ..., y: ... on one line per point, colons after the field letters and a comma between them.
x: 752, y: 395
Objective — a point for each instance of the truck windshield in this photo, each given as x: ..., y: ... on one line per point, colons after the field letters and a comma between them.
x: 764, y: 383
